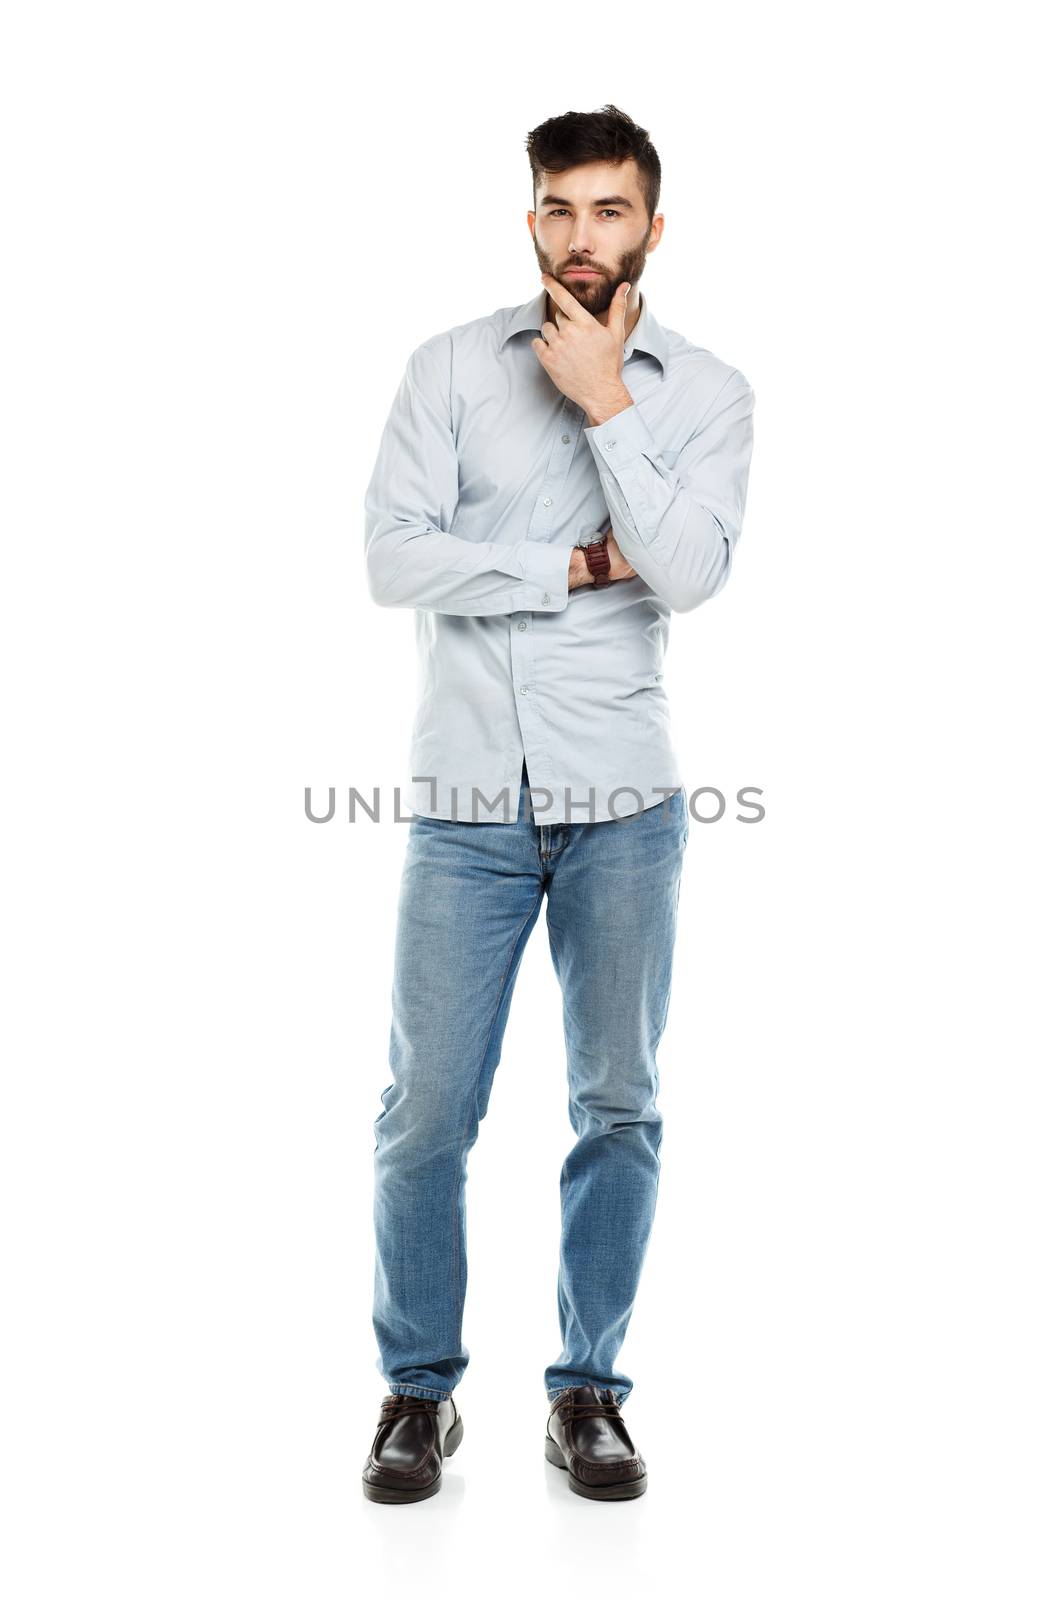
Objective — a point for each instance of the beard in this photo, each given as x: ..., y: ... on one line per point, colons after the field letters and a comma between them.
x: 596, y: 293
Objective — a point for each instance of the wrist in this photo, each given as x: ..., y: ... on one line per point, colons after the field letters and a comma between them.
x: 578, y: 572
x: 604, y: 407
x: 597, y: 562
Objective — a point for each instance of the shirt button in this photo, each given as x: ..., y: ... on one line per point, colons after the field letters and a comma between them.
x: 545, y: 599
x: 610, y: 444
x: 547, y: 501
x: 523, y: 688
x: 565, y: 437
x: 523, y: 627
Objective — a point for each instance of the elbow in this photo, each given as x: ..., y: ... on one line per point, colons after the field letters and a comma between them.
x: 376, y: 583
x: 380, y: 568
x: 687, y: 596
x: 378, y: 586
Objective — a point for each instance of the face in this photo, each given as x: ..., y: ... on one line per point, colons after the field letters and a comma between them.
x: 594, y: 216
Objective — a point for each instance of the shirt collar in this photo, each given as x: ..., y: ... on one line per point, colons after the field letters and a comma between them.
x: 647, y: 334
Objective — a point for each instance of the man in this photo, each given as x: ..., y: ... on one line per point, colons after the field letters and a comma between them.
x: 554, y: 480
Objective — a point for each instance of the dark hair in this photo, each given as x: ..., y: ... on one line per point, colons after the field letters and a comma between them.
x: 579, y: 137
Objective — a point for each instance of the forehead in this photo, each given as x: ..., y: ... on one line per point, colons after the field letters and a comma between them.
x: 591, y: 182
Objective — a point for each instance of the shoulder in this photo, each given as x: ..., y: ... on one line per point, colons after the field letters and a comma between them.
x: 466, y: 338
x: 466, y: 358
x: 710, y: 376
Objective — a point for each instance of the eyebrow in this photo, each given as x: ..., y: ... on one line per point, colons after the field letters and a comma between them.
x: 609, y: 200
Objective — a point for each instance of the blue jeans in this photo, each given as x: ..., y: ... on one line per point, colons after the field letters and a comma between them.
x: 470, y: 895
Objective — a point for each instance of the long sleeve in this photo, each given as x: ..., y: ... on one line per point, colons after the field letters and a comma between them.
x: 411, y: 557
x: 678, y: 525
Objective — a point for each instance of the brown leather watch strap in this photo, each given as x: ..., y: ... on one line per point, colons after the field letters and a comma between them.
x: 597, y: 560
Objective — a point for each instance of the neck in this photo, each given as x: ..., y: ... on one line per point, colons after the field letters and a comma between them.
x: 634, y: 299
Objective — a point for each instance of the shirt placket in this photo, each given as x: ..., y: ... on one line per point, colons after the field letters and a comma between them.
x: 526, y: 654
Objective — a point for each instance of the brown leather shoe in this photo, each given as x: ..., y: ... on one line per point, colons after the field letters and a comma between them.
x: 585, y: 1434
x: 412, y: 1437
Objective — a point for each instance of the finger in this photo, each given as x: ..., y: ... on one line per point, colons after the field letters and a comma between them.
x: 566, y: 300
x: 617, y: 310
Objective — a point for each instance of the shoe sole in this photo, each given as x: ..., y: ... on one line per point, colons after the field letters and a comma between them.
x: 384, y: 1495
x: 607, y: 1491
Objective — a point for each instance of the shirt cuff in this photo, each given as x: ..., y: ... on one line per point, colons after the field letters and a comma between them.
x: 623, y: 438
x: 545, y: 586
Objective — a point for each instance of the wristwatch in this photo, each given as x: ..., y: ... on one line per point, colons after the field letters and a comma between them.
x: 597, y: 559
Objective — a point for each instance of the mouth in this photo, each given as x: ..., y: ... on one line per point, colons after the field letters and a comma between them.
x: 581, y: 272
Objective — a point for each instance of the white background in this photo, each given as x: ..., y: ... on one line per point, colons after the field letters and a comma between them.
x: 226, y: 228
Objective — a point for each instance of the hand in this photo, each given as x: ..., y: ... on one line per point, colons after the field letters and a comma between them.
x: 579, y: 573
x: 584, y: 357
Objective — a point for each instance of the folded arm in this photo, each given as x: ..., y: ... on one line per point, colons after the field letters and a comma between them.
x: 411, y: 557
x: 678, y: 525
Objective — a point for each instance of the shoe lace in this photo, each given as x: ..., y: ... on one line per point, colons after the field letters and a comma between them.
x: 405, y: 1404
x: 577, y: 1409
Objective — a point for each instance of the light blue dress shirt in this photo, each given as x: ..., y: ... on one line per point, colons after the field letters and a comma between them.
x: 486, y: 477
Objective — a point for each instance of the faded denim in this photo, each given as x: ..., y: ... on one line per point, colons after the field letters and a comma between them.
x: 469, y: 898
